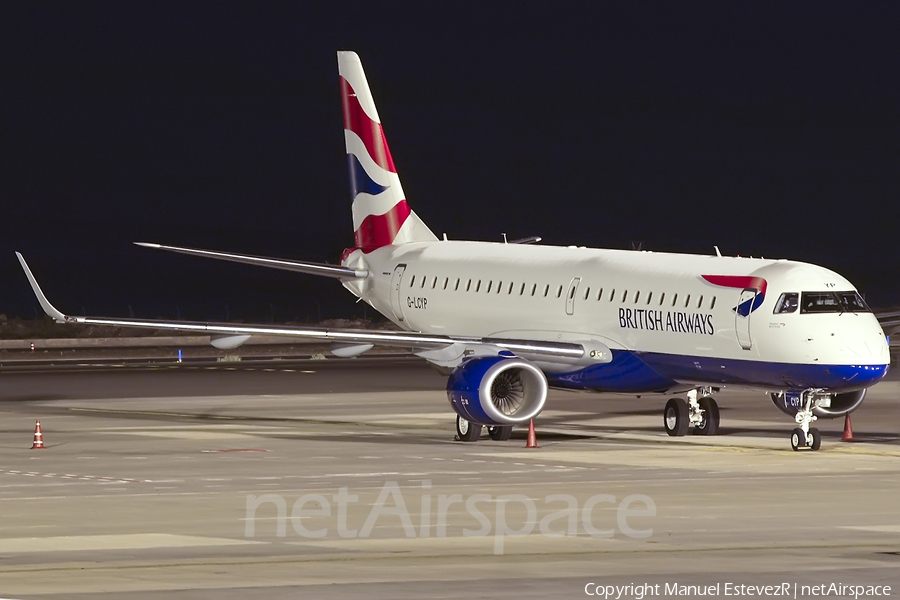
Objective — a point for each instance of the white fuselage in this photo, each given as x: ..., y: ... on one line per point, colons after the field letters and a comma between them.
x: 654, y: 304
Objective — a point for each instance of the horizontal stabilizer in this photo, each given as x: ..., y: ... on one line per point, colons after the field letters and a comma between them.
x: 297, y: 266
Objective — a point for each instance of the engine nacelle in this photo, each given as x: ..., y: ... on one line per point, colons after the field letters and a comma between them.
x: 834, y: 405
x: 497, y: 390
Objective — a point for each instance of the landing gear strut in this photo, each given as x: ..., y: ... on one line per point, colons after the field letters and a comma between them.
x: 700, y: 411
x: 805, y: 436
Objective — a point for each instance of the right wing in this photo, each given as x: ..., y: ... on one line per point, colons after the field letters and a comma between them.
x: 422, y: 343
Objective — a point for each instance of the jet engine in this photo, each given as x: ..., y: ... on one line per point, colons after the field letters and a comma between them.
x: 828, y: 406
x: 497, y: 390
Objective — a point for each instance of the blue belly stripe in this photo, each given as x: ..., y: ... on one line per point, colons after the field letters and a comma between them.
x: 634, y: 372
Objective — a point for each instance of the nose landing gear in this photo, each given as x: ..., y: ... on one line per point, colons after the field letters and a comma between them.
x: 805, y: 436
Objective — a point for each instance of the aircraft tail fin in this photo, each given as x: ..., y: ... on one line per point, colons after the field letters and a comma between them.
x: 381, y: 214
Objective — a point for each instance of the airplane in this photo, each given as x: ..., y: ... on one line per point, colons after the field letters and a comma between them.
x: 506, y: 321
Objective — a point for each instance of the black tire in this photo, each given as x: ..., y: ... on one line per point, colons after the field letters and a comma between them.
x: 710, y: 423
x: 798, y: 439
x: 500, y: 433
x: 466, y: 431
x: 676, y: 418
x: 816, y: 439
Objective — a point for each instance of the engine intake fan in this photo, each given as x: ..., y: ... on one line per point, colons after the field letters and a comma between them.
x: 497, y: 390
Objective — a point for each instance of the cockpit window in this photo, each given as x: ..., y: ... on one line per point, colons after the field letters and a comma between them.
x: 853, y: 302
x: 787, y: 303
x: 833, y: 302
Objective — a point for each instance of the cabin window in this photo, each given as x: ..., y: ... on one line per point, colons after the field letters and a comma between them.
x: 700, y: 302
x: 687, y: 300
x: 587, y: 293
x: 478, y: 286
x: 424, y: 281
x: 490, y: 283
x: 637, y: 296
x: 446, y: 281
x: 599, y: 294
x: 412, y: 281
x: 787, y: 303
x: 456, y: 288
x: 434, y: 283
x: 649, y: 298
x: 712, y: 304
x: 533, y: 289
x: 499, y: 287
x: 546, y: 290
x: 522, y: 291
x: 612, y: 295
x: 662, y: 298
x: 624, y: 296
x: 559, y: 292
x: 469, y: 285
x: 572, y: 293
x: 509, y: 291
x: 674, y: 299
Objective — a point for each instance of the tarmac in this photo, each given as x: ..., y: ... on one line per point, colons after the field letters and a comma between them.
x: 287, y: 478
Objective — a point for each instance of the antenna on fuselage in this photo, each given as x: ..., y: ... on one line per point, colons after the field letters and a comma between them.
x: 719, y: 254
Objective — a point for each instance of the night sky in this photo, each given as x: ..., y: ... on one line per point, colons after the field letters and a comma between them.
x: 765, y: 129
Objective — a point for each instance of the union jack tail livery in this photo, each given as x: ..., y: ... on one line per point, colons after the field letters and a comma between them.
x: 381, y: 215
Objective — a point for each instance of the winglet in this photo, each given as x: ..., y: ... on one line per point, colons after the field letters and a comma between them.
x: 45, y: 304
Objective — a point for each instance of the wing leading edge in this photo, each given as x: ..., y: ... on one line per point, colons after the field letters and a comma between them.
x: 406, y: 339
x: 297, y: 266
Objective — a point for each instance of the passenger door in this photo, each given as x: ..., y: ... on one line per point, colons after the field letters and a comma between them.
x: 570, y: 295
x: 396, y: 278
x: 742, y: 314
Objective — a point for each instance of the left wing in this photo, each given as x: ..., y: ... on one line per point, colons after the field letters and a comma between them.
x: 297, y: 266
x: 422, y: 343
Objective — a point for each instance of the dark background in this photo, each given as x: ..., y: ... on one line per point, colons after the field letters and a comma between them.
x: 767, y: 130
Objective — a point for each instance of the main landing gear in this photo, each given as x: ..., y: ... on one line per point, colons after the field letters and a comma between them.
x: 805, y: 436
x: 466, y: 431
x: 700, y: 411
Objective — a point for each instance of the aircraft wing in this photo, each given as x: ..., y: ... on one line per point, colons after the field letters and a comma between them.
x: 405, y: 339
x: 297, y: 266
x: 889, y: 320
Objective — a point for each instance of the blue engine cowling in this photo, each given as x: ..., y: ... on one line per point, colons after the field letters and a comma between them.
x: 840, y: 405
x: 497, y: 390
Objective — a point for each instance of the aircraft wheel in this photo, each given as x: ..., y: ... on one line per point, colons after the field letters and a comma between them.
x: 710, y: 423
x: 676, y: 417
x: 816, y: 439
x: 467, y: 431
x: 798, y: 439
x: 500, y: 433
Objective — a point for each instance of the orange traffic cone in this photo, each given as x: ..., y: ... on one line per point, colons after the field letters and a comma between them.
x: 848, y: 430
x: 532, y: 436
x: 38, y: 437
